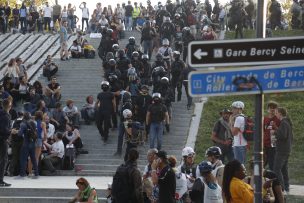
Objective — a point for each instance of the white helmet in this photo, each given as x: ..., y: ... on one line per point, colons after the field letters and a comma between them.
x: 106, y: 83
x: 164, y: 79
x: 187, y: 151
x: 156, y: 95
x: 166, y: 41
x: 127, y: 113
x: 238, y: 105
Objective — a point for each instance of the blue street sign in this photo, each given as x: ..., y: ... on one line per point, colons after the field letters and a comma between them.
x: 237, y: 81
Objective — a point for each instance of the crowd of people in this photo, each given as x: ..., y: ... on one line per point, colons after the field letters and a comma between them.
x: 221, y: 176
x: 136, y: 98
x: 42, y: 129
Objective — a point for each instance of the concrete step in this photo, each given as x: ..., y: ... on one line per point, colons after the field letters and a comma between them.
x: 8, y: 41
x: 4, y: 37
x: 21, y: 48
x: 50, y: 189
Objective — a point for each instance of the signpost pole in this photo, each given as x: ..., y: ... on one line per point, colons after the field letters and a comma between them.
x: 259, y: 106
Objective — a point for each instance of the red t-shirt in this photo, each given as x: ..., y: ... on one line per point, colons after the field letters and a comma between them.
x: 267, y: 120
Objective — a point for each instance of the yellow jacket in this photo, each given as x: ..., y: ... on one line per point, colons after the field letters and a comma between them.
x: 241, y: 192
x: 136, y: 12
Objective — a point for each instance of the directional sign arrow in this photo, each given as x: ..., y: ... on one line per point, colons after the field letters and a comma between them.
x: 199, y: 53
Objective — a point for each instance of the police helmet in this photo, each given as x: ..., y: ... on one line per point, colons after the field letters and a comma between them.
x: 112, y: 78
x: 159, y: 57
x: 105, y: 85
x: 186, y: 29
x: 112, y: 62
x: 132, y: 40
x: 156, y: 95
x: 115, y: 47
x: 213, y: 151
x: 145, y: 57
x: 164, y: 80
x: 127, y: 113
x: 135, y: 54
x: 205, y: 167
x: 126, y: 97
x: 109, y: 32
x: 176, y: 54
x: 177, y: 15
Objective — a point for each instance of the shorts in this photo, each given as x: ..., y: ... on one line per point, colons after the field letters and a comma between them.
x: 38, y: 142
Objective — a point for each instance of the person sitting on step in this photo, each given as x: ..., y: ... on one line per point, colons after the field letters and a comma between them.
x: 71, y: 111
x: 53, y: 160
x: 72, y: 136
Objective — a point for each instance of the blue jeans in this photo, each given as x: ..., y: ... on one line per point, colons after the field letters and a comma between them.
x: 147, y: 47
x: 28, y: 149
x: 240, y: 153
x: 129, y: 22
x: 156, y: 134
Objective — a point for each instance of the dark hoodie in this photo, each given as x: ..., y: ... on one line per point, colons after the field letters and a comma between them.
x: 5, y: 126
x: 284, y: 137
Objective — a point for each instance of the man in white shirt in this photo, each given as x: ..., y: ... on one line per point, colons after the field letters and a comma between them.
x: 85, y: 14
x: 56, y: 153
x: 47, y: 14
x: 237, y: 128
x: 50, y: 129
x: 103, y: 21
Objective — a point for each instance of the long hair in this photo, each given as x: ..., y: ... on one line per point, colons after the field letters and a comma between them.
x: 82, y: 181
x: 229, y: 171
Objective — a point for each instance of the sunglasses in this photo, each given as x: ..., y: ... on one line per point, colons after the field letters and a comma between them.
x: 79, y: 182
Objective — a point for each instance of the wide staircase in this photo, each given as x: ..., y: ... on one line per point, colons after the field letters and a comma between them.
x: 80, y: 78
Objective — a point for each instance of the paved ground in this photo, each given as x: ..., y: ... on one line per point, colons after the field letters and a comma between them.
x: 68, y: 182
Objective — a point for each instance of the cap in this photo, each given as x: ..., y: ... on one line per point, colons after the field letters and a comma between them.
x: 188, y: 151
x: 225, y: 110
x: 162, y: 154
x: 238, y: 105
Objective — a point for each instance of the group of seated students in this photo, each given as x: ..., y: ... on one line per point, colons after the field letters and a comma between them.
x: 55, y: 123
x: 81, y: 48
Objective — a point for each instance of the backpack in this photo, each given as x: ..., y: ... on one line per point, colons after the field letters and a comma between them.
x: 177, y: 68
x: 157, y: 112
x: 146, y: 34
x: 69, y: 158
x: 31, y: 131
x: 197, y: 192
x: 166, y: 28
x: 121, y: 185
x: 248, y: 132
x: 137, y: 128
x: 129, y: 50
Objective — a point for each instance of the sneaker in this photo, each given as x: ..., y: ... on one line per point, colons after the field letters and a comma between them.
x: 4, y: 184
x: 30, y: 175
x: 20, y: 177
x: 35, y: 177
